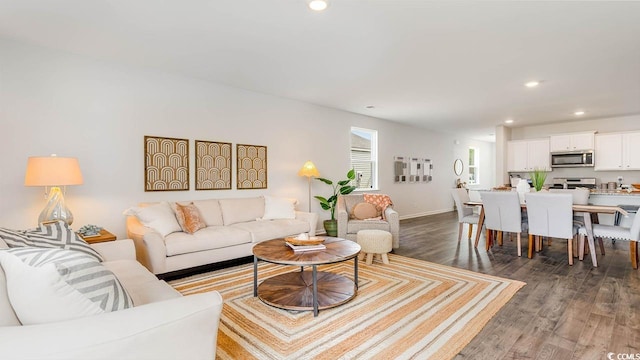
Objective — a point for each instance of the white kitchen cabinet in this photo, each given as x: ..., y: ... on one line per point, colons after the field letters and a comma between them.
x: 571, y: 142
x: 617, y: 151
x: 631, y: 151
x: 527, y: 155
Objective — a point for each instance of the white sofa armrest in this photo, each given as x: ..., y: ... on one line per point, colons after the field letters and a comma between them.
x: 150, y: 248
x: 180, y: 328
x: 311, y: 218
x: 393, y: 218
x: 116, y: 250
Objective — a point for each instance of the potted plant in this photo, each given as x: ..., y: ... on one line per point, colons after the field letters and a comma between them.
x: 342, y: 187
x: 538, y: 178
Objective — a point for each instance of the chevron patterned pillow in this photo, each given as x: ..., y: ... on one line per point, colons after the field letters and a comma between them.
x: 48, y: 285
x: 56, y: 234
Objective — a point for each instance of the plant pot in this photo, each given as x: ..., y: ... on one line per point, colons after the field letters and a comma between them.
x: 331, y: 227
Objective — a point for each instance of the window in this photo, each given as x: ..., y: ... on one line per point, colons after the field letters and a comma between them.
x: 474, y: 166
x: 364, y: 157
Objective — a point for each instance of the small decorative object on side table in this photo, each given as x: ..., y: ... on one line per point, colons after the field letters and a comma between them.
x: 95, y: 234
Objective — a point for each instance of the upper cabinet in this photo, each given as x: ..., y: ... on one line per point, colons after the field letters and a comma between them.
x: 617, y: 151
x: 527, y: 155
x: 571, y: 142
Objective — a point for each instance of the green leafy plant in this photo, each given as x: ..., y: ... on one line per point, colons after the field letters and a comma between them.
x: 538, y: 178
x: 342, y: 187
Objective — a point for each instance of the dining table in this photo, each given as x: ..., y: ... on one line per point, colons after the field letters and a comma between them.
x: 586, y: 210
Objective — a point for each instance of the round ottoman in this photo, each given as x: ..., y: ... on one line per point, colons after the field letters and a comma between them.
x: 376, y: 242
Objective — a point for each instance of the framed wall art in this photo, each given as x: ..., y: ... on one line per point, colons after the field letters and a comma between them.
x: 213, y: 165
x: 252, y: 167
x: 166, y: 164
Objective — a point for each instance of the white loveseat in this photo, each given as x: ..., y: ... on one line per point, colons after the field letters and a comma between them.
x: 233, y: 226
x: 163, y: 324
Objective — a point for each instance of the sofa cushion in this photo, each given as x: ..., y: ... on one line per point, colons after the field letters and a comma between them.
x: 56, y: 234
x: 279, y: 208
x: 140, y: 284
x: 159, y: 217
x: 210, y: 211
x: 189, y: 218
x: 7, y: 315
x: 63, y: 284
x: 241, y: 210
x: 211, y: 237
x: 353, y: 226
x: 273, y: 229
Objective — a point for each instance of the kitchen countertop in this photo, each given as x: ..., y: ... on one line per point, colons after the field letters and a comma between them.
x: 615, y: 192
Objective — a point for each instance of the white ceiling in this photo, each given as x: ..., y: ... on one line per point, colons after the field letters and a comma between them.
x: 455, y: 66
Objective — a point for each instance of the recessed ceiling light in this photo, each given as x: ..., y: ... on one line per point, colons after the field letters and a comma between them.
x: 508, y: 121
x: 579, y: 113
x: 532, y: 84
x: 317, y: 5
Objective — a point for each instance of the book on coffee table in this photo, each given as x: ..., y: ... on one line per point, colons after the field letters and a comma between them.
x: 299, y: 248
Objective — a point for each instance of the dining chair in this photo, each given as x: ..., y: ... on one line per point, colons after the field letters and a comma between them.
x: 503, y: 214
x: 551, y: 215
x: 631, y: 234
x: 580, y: 197
x: 465, y: 213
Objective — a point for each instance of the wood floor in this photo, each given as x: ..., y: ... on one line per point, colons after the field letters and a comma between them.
x: 564, y: 312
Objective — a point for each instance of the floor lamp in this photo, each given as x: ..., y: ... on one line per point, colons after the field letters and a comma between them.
x: 53, y: 172
x: 309, y: 170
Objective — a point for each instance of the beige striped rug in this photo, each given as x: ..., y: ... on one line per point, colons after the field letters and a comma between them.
x: 407, y: 309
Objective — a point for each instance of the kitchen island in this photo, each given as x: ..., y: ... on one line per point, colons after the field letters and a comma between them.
x: 614, y: 198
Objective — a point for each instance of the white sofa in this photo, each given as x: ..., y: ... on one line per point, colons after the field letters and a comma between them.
x: 233, y: 227
x: 162, y: 324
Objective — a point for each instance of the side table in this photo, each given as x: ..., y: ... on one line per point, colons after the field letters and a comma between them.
x: 104, y: 236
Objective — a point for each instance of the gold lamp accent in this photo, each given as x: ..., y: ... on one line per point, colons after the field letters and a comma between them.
x: 309, y: 170
x: 53, y: 172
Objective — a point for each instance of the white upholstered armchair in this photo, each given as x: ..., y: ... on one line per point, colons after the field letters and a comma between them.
x: 348, y: 226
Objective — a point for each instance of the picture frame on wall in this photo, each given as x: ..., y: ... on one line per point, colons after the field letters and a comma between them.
x: 251, y: 167
x: 213, y: 165
x: 166, y: 164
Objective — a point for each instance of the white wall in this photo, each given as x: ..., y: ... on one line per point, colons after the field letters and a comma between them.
x: 53, y: 102
x: 603, y: 125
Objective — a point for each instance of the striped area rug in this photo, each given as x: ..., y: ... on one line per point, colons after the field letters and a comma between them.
x: 407, y: 309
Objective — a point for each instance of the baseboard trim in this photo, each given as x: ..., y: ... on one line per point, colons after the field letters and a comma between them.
x: 427, y: 213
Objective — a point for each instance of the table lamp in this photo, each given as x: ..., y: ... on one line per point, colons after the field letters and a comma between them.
x: 309, y: 170
x: 53, y: 172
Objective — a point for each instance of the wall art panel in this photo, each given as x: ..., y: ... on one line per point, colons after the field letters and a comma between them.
x: 251, y: 167
x: 213, y: 165
x: 166, y: 164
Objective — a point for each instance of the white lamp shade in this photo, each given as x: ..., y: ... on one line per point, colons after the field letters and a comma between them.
x: 52, y: 171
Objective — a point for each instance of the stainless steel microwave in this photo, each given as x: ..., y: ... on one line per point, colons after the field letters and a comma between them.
x: 572, y: 159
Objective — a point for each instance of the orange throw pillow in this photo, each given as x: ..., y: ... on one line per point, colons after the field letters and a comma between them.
x: 364, y: 211
x: 189, y: 218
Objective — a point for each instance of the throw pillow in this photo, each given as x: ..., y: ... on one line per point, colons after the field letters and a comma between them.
x: 55, y: 234
x: 159, y: 217
x: 278, y: 208
x: 49, y: 285
x: 189, y: 218
x: 365, y: 210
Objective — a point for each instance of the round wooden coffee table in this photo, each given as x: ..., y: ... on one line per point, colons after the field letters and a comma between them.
x: 306, y: 290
